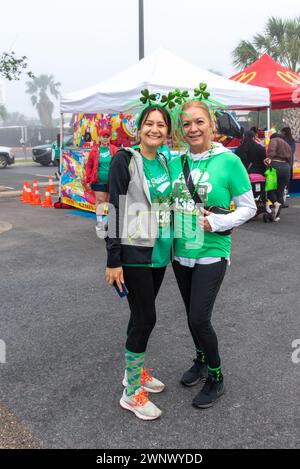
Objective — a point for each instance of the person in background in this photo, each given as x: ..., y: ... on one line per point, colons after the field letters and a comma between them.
x: 55, y: 156
x: 252, y: 154
x: 96, y: 177
x: 279, y: 156
x: 255, y: 131
x: 286, y: 134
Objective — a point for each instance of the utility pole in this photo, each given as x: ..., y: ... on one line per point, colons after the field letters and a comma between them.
x: 141, y: 30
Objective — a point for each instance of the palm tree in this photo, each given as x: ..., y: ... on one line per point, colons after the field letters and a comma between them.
x: 38, y: 88
x: 281, y: 40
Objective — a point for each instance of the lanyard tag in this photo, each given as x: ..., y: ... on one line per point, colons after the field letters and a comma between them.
x: 202, y: 192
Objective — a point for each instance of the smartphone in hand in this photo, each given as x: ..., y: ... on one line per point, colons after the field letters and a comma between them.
x: 121, y: 293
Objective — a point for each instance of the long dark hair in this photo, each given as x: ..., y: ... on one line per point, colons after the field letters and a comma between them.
x: 249, y: 136
x: 287, y: 133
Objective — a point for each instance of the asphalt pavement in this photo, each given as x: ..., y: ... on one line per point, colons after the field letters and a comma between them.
x: 12, y: 177
x: 64, y: 331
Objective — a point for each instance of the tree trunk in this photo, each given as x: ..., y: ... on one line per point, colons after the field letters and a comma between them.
x: 291, y: 119
x: 45, y: 109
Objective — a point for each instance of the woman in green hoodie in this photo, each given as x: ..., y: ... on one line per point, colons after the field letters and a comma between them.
x: 208, y: 175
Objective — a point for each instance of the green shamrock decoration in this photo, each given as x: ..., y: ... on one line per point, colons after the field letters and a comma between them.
x: 146, y: 96
x: 174, y: 97
x: 201, y: 92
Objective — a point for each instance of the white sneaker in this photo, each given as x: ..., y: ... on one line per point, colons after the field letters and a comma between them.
x: 140, y: 405
x: 148, y: 382
x: 277, y: 209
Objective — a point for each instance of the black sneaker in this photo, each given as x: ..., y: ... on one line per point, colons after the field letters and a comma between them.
x: 198, y: 372
x: 210, y: 392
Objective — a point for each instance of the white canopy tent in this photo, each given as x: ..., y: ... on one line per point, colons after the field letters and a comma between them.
x: 161, y: 72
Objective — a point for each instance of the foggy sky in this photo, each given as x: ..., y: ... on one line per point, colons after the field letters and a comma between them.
x: 82, y: 43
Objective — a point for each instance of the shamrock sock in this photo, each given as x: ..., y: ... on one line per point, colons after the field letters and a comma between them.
x: 216, y: 373
x: 134, y: 364
x: 201, y: 356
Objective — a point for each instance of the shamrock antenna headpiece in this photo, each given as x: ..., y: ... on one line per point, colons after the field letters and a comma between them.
x: 176, y: 98
x: 173, y: 102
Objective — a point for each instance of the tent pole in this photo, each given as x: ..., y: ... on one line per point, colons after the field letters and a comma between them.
x: 141, y: 30
x: 60, y: 150
x: 269, y: 118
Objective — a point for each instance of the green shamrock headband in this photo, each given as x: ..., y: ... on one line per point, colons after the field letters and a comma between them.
x: 175, y: 98
x: 173, y: 103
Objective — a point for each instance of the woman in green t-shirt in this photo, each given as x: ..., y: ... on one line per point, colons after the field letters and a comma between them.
x: 96, y: 176
x: 139, y: 246
x: 208, y: 175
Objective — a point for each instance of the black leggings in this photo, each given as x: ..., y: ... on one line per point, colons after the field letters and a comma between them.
x: 143, y: 284
x: 199, y: 287
x: 283, y: 176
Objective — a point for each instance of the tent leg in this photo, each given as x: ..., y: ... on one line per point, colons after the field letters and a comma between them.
x: 60, y: 150
x: 269, y: 118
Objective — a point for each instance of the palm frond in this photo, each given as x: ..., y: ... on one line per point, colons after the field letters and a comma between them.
x: 244, y: 54
x: 280, y: 39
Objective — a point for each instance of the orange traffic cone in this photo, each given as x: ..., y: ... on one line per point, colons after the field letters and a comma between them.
x: 28, y: 195
x: 47, y: 201
x: 36, y: 198
x: 35, y: 186
x: 51, y: 186
x: 24, y: 194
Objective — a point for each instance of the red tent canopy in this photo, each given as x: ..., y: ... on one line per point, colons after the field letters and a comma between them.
x: 284, y: 85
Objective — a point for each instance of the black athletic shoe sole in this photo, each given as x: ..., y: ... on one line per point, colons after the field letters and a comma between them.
x: 209, y: 404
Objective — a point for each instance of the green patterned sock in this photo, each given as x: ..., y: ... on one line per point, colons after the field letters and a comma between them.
x: 134, y: 364
x: 216, y: 373
x: 201, y: 356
